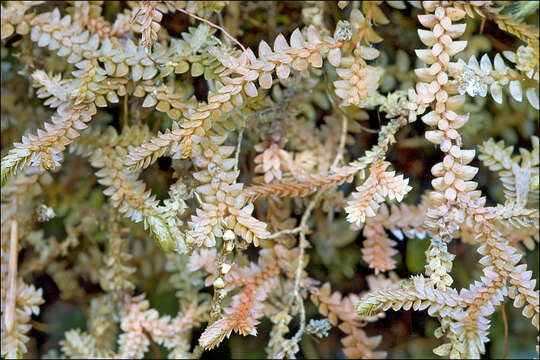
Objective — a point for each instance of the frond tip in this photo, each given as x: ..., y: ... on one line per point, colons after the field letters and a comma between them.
x: 215, y: 333
x: 161, y: 233
x: 368, y: 197
x: 369, y: 306
x: 11, y: 163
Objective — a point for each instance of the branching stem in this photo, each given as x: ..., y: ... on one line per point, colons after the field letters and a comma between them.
x: 298, y: 276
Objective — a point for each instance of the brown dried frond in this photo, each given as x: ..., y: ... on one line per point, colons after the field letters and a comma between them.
x: 204, y: 259
x: 378, y: 249
x: 246, y: 307
x: 269, y: 162
x: 336, y: 177
x: 138, y: 321
x: 149, y: 19
x: 279, y: 218
x: 342, y: 311
x: 403, y: 221
x: 368, y: 197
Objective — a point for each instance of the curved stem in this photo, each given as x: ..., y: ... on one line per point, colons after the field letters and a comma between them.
x: 208, y: 23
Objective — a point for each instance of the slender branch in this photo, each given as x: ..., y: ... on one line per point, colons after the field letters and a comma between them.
x: 40, y: 326
x: 208, y: 23
x: 155, y: 348
x: 482, y: 24
x: 197, y: 352
x: 215, y: 313
x: 342, y: 139
x: 303, y: 241
x: 368, y: 130
x: 238, y: 146
x: 333, y: 100
x: 300, y: 332
x: 296, y: 230
x: 256, y: 23
x: 147, y: 52
x: 302, y: 230
x: 298, y: 276
x: 9, y: 315
x: 125, y: 110
x: 505, y: 323
x: 367, y: 25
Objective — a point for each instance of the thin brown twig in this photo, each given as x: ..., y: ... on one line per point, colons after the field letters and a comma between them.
x: 331, y: 96
x: 40, y: 326
x: 217, y: 298
x: 363, y: 31
x: 11, y: 297
x: 256, y: 23
x: 238, y: 147
x: 499, y: 45
x: 147, y: 52
x: 368, y: 130
x: 505, y: 323
x: 157, y: 125
x: 208, y: 23
x: 125, y: 110
x: 296, y: 230
x: 482, y: 24
x: 259, y: 210
x: 155, y: 348
x: 342, y: 139
x: 74, y: 176
x: 302, y: 246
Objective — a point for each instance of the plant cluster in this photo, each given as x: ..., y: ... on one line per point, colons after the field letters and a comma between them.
x: 179, y: 174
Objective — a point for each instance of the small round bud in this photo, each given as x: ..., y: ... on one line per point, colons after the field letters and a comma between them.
x: 229, y: 246
x: 229, y: 235
x: 219, y: 283
x: 343, y: 31
x: 44, y: 213
x: 225, y: 268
